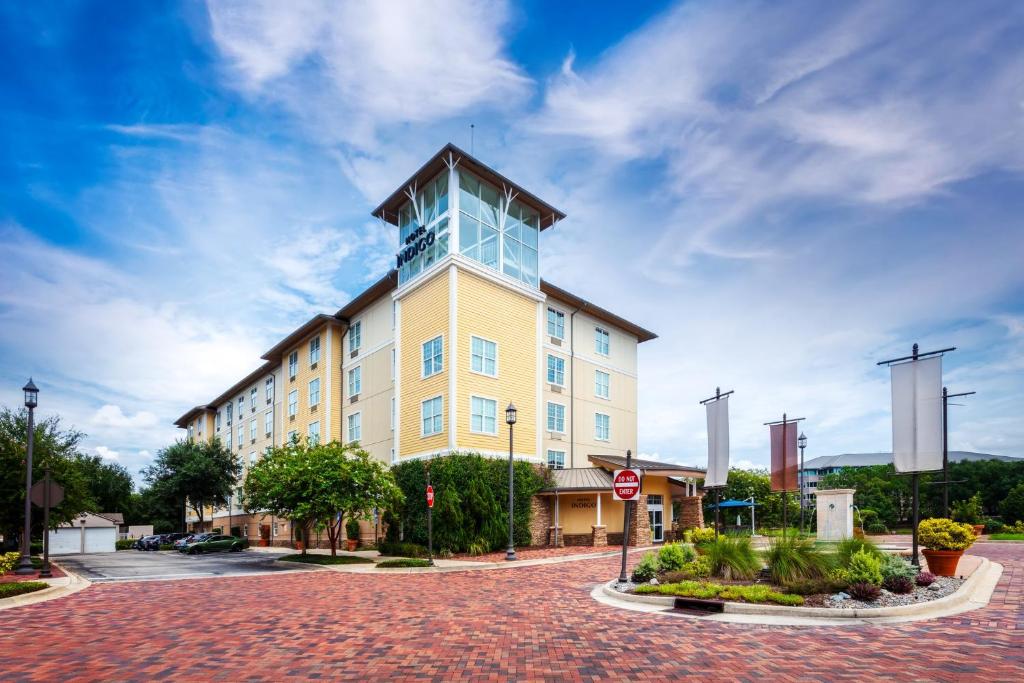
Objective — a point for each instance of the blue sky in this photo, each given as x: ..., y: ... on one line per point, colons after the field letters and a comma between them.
x: 785, y: 192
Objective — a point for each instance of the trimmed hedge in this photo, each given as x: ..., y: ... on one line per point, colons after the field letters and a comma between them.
x: 402, y: 550
x: 404, y: 562
x: 326, y: 559
x: 124, y: 543
x: 8, y: 590
x: 470, y: 501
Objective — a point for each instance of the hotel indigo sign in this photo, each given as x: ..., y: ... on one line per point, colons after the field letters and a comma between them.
x: 415, y: 244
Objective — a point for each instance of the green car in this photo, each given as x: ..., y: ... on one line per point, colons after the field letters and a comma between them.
x: 215, y: 543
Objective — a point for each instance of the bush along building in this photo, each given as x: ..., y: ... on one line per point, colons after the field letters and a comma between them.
x: 424, y: 362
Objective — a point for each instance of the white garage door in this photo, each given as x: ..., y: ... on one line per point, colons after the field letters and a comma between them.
x: 65, y: 541
x: 100, y: 540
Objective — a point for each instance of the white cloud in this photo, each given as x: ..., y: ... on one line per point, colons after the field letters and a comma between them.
x: 106, y: 453
x: 112, y: 416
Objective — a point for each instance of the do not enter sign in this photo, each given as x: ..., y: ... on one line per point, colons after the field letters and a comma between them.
x: 430, y: 496
x: 626, y: 485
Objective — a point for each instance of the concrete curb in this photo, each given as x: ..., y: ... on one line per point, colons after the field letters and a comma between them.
x: 73, y: 584
x: 975, y: 592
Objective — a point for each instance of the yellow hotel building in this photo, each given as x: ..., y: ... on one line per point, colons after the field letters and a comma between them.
x: 424, y: 362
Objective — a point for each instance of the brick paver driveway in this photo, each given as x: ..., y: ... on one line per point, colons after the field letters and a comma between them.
x: 534, y: 622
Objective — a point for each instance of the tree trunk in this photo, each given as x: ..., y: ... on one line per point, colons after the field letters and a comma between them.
x: 333, y: 534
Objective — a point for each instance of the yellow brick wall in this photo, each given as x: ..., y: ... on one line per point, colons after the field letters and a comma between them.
x: 498, y: 314
x: 424, y: 315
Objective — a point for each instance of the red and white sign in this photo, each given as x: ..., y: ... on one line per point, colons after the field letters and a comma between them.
x: 626, y: 485
x: 430, y: 496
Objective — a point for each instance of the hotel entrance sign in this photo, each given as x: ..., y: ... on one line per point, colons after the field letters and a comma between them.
x: 430, y: 496
x: 626, y: 485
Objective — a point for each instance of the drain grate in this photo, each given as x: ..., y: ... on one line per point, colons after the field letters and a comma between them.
x: 701, y: 606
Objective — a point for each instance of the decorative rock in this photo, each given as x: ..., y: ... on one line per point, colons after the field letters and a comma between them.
x: 653, y: 581
x: 935, y: 587
x: 839, y: 597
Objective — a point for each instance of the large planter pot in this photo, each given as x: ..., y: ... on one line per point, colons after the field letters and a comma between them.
x: 942, y: 562
x: 351, y: 544
x: 298, y: 545
x: 979, y: 529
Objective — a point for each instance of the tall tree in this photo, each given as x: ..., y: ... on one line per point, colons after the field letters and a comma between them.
x: 110, y: 484
x: 319, y: 484
x: 199, y: 472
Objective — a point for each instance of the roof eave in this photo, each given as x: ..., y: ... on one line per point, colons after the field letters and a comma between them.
x: 607, y: 316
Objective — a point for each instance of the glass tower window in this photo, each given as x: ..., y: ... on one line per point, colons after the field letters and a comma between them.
x: 432, y: 202
x: 501, y: 237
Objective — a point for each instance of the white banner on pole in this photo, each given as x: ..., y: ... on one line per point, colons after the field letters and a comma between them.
x: 917, y: 415
x: 718, y: 442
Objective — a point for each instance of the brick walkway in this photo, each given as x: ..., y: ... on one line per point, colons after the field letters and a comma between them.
x: 530, y: 623
x: 541, y: 553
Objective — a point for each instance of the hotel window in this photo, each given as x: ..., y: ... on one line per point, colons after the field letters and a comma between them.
x: 314, y: 393
x: 252, y: 458
x: 252, y: 398
x: 355, y: 427
x: 313, y: 433
x: 268, y: 422
x: 484, y: 357
x: 556, y: 370
x: 228, y: 408
x: 218, y: 420
x: 252, y: 429
x: 227, y: 438
x: 602, y: 381
x: 292, y: 436
x: 392, y: 413
x: 355, y: 336
x: 556, y: 460
x: 483, y: 415
x: 556, y: 324
x: 602, y: 427
x: 556, y: 417
x: 293, y: 402
x: 601, y: 341
x: 433, y: 356
x: 314, y: 351
x: 433, y: 218
x: 355, y: 381
x: 293, y: 364
x: 500, y: 239
x: 241, y: 406
x: 431, y: 415
x: 266, y: 450
x: 241, y: 434
x: 191, y: 434
x: 270, y: 390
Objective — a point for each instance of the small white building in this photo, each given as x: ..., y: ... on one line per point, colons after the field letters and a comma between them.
x: 88, y: 533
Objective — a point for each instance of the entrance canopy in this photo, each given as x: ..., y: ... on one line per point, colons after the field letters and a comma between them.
x: 734, y: 504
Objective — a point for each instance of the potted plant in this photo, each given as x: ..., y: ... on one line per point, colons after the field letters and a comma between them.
x: 351, y: 534
x: 944, y: 541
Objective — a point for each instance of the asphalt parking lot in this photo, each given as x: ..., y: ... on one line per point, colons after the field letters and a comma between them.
x: 134, y: 565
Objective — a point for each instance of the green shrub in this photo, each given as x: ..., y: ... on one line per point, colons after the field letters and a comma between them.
x: 732, y: 558
x: 310, y: 558
x: 848, y: 547
x: 672, y: 556
x: 839, y: 577
x: 478, y: 547
x: 700, y: 568
x: 8, y: 561
x: 865, y: 568
x: 646, y: 569
x: 993, y: 526
x: 352, y: 529
x: 402, y: 550
x: 876, y: 528
x: 968, y: 511
x: 444, y: 554
x: 945, y: 534
x: 702, y: 536
x: 1012, y: 507
x: 124, y: 543
x: 404, y: 562
x: 8, y: 590
x: 708, y: 591
x: 35, y: 548
x: 899, y: 584
x: 894, y: 566
x: 790, y: 558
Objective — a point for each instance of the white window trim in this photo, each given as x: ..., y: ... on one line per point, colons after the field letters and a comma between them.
x: 497, y: 355
x: 597, y: 395
x: 318, y: 391
x: 318, y: 433
x: 352, y: 326
x: 423, y: 375
x: 546, y: 428
x: 423, y: 434
x: 607, y: 334
x: 348, y: 426
x: 547, y: 458
x: 319, y: 350
x: 270, y: 414
x: 289, y: 404
x: 497, y: 415
x: 556, y: 310
x: 293, y: 374
x: 557, y: 357
x: 348, y: 381
x: 596, y: 437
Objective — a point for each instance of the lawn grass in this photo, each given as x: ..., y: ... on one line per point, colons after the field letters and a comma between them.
x: 326, y: 559
x: 707, y: 591
x: 404, y: 562
x: 1006, y: 537
x: 8, y: 590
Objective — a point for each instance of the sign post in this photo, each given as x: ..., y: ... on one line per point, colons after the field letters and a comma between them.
x: 430, y: 520
x: 626, y: 487
x: 46, y: 494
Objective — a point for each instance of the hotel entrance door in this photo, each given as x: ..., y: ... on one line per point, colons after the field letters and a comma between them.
x: 656, y: 512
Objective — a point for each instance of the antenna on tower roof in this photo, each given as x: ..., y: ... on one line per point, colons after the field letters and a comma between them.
x: 471, y: 136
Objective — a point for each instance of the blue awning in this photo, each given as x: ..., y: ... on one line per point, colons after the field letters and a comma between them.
x: 734, y: 504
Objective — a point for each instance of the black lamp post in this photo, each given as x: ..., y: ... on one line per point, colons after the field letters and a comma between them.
x: 31, y: 401
x: 802, y: 441
x: 510, y: 420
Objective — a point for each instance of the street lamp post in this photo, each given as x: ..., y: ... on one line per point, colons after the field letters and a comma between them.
x: 31, y: 401
x: 803, y: 444
x: 510, y: 419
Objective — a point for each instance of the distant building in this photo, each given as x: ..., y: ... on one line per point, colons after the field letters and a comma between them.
x: 815, y: 469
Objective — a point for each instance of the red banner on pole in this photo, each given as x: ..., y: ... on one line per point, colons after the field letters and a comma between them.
x: 785, y: 460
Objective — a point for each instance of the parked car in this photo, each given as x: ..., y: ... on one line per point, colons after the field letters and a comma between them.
x: 149, y: 543
x: 181, y: 544
x: 216, y: 542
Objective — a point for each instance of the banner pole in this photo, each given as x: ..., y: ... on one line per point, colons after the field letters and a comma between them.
x: 625, y: 525
x: 718, y: 500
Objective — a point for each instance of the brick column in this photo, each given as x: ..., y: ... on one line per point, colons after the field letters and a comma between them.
x: 691, y: 512
x: 552, y: 535
x: 540, y: 519
x: 599, y: 534
x: 640, y: 526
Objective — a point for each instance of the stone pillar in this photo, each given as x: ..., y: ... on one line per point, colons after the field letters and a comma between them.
x: 599, y: 534
x: 835, y: 514
x: 540, y: 520
x: 640, y: 526
x: 552, y: 535
x: 691, y: 512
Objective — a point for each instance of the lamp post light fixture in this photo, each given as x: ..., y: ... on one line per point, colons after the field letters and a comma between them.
x: 802, y: 441
x: 510, y: 420
x: 31, y: 401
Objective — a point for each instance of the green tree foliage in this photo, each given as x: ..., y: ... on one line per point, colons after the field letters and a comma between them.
x: 153, y: 506
x: 54, y: 448
x: 201, y: 472
x: 1012, y: 507
x: 320, y: 484
x: 470, y: 501
x: 968, y: 511
x: 110, y: 485
x: 757, y: 483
